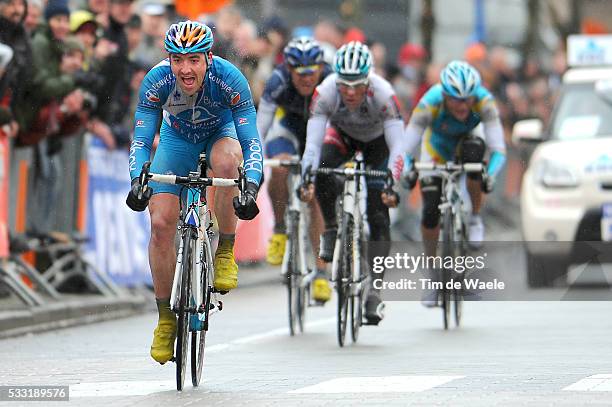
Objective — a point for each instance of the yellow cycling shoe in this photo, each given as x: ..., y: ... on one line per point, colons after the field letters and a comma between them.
x: 226, y: 269
x: 321, y: 290
x: 276, y: 249
x: 164, y: 335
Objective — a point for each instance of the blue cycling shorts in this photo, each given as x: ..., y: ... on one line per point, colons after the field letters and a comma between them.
x: 176, y: 155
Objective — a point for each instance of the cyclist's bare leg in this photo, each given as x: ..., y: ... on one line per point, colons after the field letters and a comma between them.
x: 317, y: 226
x: 164, y: 209
x: 226, y: 156
x: 430, y: 239
x: 279, y: 193
x: 474, y: 187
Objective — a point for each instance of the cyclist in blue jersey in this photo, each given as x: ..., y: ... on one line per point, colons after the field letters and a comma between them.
x: 281, y: 122
x: 447, y: 115
x: 204, y: 104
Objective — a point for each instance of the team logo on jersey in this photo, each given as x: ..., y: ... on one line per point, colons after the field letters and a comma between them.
x: 177, y: 96
x: 198, y: 115
x: 234, y: 98
x: 152, y: 96
x: 140, y: 123
x: 243, y: 121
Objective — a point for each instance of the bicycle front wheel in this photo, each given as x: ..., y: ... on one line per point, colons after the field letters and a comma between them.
x: 357, y: 299
x: 447, y: 250
x: 344, y: 275
x: 183, y: 314
x: 198, y: 336
x: 293, y: 274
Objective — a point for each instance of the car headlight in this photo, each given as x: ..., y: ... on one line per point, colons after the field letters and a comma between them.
x: 552, y: 174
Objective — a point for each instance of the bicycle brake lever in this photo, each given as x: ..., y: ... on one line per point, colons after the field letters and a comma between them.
x: 144, y: 178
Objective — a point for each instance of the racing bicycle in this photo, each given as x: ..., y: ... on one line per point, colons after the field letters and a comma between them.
x: 350, y: 272
x: 454, y: 212
x: 194, y: 298
x: 297, y: 268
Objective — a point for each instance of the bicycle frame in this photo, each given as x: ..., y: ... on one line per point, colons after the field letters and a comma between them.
x: 452, y: 199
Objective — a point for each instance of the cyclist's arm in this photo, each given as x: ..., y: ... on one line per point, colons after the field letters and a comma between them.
x: 419, y: 121
x: 393, y: 129
x: 151, y: 98
x: 321, y: 107
x: 268, y: 102
x: 146, y: 124
x: 242, y: 107
x: 315, y: 132
x: 265, y: 116
x: 394, y: 137
x: 494, y: 136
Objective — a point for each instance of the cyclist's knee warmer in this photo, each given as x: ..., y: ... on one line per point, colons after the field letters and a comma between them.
x: 326, y: 190
x: 472, y: 150
x: 431, y: 189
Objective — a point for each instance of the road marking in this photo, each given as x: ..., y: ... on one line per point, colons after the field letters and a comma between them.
x: 143, y: 388
x: 123, y: 388
x: 388, y: 384
x: 264, y: 335
x: 598, y: 382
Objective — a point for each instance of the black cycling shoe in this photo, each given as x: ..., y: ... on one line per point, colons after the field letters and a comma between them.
x: 374, y: 310
x: 328, y: 242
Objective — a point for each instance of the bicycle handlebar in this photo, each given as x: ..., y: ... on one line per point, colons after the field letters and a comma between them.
x: 349, y: 172
x: 292, y: 161
x: 449, y: 167
x: 191, y: 180
x: 178, y: 180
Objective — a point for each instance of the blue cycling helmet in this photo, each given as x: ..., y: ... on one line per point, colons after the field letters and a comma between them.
x: 188, y: 37
x: 353, y: 61
x: 303, y: 51
x: 460, y: 80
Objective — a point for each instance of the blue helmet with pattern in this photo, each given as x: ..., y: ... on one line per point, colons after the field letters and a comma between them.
x: 188, y: 37
x: 460, y: 80
x: 303, y: 51
x: 353, y: 61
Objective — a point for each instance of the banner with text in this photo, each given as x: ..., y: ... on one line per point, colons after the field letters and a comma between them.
x: 118, y: 236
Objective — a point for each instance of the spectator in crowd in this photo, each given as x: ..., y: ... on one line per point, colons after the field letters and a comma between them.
x: 33, y: 17
x: 49, y: 82
x: 277, y: 34
x: 243, y: 42
x: 83, y: 26
x: 133, y: 31
x: 226, y: 23
x: 13, y: 85
x: 409, y: 80
x: 154, y: 22
x: 379, y: 55
x: 100, y: 9
x: 115, y: 95
x: 331, y: 37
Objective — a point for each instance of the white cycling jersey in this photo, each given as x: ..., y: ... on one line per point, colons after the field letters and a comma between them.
x: 378, y: 114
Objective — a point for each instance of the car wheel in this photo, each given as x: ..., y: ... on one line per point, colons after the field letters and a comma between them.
x: 542, y: 272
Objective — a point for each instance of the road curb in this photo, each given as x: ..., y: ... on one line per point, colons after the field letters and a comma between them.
x: 67, y: 313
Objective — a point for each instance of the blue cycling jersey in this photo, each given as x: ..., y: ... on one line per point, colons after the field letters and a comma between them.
x: 225, y: 98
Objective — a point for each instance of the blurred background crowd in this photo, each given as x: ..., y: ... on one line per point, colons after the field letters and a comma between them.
x: 76, y: 65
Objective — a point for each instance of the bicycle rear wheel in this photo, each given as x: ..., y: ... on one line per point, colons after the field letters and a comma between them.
x: 183, y: 314
x: 198, y: 337
x: 344, y: 275
x: 447, y: 250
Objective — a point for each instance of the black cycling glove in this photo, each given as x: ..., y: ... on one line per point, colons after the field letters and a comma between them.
x: 138, y: 200
x: 249, y: 209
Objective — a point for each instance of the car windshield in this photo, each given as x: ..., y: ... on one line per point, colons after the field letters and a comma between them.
x: 582, y: 114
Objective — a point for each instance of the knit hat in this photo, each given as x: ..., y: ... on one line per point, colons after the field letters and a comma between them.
x: 56, y: 8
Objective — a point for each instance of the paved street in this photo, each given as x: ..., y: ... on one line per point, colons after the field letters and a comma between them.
x: 507, y: 353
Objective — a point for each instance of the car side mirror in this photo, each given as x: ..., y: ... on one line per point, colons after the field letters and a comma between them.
x: 527, y: 131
